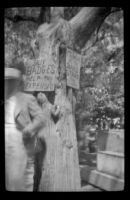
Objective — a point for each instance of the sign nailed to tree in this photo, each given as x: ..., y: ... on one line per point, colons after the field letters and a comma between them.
x: 73, y: 64
x: 41, y: 72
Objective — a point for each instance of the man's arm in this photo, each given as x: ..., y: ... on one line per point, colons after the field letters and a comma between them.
x: 37, y: 117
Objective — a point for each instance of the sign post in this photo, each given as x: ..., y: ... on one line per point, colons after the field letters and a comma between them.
x: 41, y: 73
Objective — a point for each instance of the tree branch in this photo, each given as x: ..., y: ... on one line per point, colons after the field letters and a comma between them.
x: 84, y: 24
x: 88, y: 20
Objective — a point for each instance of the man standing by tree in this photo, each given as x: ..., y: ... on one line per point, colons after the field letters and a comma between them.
x: 23, y: 119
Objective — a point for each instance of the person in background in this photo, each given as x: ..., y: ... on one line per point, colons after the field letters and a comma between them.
x: 91, y: 141
x: 23, y: 119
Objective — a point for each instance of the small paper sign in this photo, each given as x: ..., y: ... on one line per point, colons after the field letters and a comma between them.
x: 73, y: 64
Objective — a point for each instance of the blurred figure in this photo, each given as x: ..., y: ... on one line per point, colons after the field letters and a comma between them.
x: 92, y: 141
x: 23, y: 120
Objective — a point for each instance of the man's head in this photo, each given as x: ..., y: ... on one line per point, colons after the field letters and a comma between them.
x: 12, y: 73
x: 13, y: 78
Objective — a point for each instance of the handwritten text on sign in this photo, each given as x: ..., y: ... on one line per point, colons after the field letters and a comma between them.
x: 41, y: 73
x: 73, y: 63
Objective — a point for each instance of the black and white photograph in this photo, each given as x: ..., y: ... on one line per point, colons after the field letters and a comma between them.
x: 64, y: 99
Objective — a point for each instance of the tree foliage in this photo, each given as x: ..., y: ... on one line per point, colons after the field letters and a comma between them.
x: 102, y: 74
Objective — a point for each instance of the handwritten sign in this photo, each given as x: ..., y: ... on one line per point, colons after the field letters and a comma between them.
x: 41, y: 72
x: 73, y: 63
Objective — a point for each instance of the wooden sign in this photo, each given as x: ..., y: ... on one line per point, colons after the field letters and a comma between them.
x: 41, y: 72
x: 73, y: 64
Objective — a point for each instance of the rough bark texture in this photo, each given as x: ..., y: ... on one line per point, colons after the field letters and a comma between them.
x: 61, y: 166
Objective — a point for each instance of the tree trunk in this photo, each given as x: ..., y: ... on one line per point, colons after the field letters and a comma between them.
x: 61, y: 166
x: 65, y: 167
